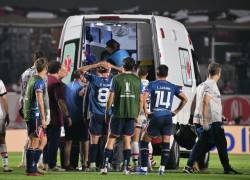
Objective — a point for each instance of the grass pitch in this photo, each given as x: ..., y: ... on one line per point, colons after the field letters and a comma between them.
x: 215, y: 172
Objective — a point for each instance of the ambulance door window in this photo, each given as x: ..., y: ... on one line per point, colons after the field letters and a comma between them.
x: 186, y: 67
x: 69, y: 58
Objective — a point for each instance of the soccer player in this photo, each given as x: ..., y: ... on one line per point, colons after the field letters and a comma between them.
x: 74, y: 93
x: 142, y: 73
x: 98, y: 94
x: 25, y: 77
x: 35, y: 116
x: 4, y: 122
x: 208, y: 113
x: 161, y: 94
x: 126, y: 96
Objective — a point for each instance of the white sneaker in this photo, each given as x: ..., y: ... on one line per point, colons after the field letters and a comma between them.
x: 57, y: 169
x: 161, y: 173
x: 104, y: 171
x: 7, y: 169
x: 126, y: 172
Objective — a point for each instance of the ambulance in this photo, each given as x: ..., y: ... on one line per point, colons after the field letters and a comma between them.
x: 150, y: 40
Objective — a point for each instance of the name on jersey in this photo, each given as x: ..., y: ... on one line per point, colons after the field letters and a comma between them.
x: 163, y: 87
x: 105, y: 85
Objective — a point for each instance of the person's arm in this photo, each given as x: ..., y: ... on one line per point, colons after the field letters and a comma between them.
x: 183, y: 99
x: 4, y: 100
x: 59, y: 94
x: 193, y: 105
x: 40, y: 102
x: 109, y: 104
x: 145, y: 104
x: 82, y: 91
x: 120, y: 70
x: 192, y: 110
x: 63, y: 108
x: 205, y: 105
x: 89, y: 67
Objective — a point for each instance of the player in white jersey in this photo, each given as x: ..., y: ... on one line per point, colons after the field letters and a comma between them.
x: 4, y: 121
x: 141, y: 124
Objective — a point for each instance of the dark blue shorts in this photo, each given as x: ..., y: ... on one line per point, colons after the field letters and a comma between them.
x: 77, y: 132
x: 122, y: 126
x: 160, y: 126
x: 34, y: 127
x: 97, y: 125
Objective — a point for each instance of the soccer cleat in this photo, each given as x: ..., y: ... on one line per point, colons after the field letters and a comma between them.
x: 57, y: 169
x: 92, y: 169
x: 140, y: 171
x: 230, y: 170
x: 70, y: 168
x: 41, y: 171
x: 104, y: 171
x: 126, y: 172
x: 188, y: 170
x: 34, y: 174
x: 161, y: 173
x: 7, y: 169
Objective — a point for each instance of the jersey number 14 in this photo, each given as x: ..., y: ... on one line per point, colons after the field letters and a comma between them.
x: 160, y: 99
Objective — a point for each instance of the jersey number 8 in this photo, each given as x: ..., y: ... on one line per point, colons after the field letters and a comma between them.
x: 103, y: 95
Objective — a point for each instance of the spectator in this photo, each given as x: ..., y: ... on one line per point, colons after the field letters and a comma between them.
x: 227, y: 88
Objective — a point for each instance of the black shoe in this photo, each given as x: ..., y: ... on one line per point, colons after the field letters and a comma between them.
x: 231, y: 171
x: 188, y: 170
x: 70, y: 168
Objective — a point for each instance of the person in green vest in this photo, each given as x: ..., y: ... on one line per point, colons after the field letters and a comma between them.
x: 126, y: 96
x: 35, y: 116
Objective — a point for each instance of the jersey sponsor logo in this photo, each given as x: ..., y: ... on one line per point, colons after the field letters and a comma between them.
x: 128, y: 92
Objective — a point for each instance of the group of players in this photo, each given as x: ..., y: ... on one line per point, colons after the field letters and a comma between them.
x: 117, y: 103
x: 121, y: 103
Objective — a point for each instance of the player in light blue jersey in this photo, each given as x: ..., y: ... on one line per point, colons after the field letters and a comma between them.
x: 162, y: 93
x: 99, y: 85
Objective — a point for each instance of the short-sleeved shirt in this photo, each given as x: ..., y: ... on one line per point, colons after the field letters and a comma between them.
x: 162, y: 93
x: 74, y: 101
x: 98, y: 92
x: 56, y: 92
x: 144, y: 83
x: 2, y: 93
x: 117, y: 57
x: 31, y: 110
x: 25, y: 77
x: 127, y: 88
x: 209, y: 88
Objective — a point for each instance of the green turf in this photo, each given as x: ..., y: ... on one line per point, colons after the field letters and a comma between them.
x: 215, y: 172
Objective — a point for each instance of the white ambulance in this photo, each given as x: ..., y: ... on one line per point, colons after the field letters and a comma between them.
x: 150, y: 40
